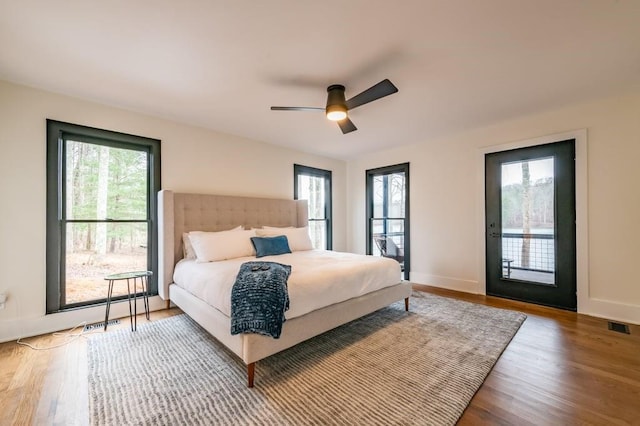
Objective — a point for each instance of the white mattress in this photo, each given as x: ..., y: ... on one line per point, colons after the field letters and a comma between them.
x: 318, y: 278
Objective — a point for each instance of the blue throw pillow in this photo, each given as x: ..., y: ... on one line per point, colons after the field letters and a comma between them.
x: 270, y: 246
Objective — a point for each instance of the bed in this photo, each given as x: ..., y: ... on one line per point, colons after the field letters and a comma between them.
x: 179, y: 213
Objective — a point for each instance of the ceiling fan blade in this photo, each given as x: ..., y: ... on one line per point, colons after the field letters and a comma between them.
x: 281, y: 108
x: 346, y: 125
x: 377, y: 91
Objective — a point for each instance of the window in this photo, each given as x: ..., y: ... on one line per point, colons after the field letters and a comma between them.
x: 314, y: 185
x: 101, y: 211
x: 388, y: 214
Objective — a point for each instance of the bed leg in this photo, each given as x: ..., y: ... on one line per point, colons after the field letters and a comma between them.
x: 251, y: 371
x: 406, y: 304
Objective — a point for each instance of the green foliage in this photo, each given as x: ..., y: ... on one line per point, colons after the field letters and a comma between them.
x: 126, y: 195
x: 541, y: 207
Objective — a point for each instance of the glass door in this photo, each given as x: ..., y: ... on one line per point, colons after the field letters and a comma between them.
x: 388, y: 214
x: 530, y: 212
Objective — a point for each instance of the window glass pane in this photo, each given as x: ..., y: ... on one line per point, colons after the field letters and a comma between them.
x: 377, y: 230
x: 104, y: 182
x: 311, y: 188
x: 314, y: 185
x: 395, y: 230
x: 318, y: 234
x: 388, y: 238
x: 303, y: 187
x: 528, y: 241
x: 396, y: 194
x: 94, y: 250
x: 378, y: 196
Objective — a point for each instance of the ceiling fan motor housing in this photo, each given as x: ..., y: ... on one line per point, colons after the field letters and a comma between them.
x: 335, y: 99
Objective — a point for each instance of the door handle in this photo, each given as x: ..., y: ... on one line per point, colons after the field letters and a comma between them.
x: 495, y: 235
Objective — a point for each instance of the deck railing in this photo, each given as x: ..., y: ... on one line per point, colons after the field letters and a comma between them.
x: 541, y: 251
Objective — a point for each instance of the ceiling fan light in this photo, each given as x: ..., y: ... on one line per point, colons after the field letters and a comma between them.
x: 336, y: 109
x: 336, y: 112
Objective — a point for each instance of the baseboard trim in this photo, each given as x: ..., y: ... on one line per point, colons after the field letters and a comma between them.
x: 600, y: 308
x: 450, y: 283
x: 35, y: 326
x: 610, y: 310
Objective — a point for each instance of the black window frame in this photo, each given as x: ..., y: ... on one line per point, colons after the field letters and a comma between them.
x: 396, y: 168
x: 57, y: 133
x: 299, y: 170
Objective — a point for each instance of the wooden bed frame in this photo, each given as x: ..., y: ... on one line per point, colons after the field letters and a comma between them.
x: 180, y: 212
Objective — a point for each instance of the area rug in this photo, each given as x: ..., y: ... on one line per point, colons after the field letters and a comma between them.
x: 390, y: 367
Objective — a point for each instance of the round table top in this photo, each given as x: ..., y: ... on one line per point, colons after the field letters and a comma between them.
x: 128, y: 275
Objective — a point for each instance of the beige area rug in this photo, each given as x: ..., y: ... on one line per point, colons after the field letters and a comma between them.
x: 391, y: 367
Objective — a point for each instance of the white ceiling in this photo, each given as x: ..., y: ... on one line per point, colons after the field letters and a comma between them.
x: 458, y: 64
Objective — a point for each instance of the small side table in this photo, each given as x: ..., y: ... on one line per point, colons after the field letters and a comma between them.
x: 143, y: 277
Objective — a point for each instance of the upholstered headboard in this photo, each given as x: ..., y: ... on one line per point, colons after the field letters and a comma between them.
x: 179, y: 213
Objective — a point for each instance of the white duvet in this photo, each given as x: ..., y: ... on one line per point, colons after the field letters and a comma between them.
x: 318, y: 278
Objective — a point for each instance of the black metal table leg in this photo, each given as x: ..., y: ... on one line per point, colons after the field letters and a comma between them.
x: 129, y: 300
x: 135, y: 304
x: 145, y: 294
x: 109, y: 293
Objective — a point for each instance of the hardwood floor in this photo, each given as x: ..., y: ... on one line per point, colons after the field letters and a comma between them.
x: 560, y: 368
x: 49, y: 387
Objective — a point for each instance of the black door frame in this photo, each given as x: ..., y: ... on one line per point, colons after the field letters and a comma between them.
x: 370, y: 173
x: 564, y: 296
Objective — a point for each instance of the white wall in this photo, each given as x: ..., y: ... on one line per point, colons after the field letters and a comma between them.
x: 193, y: 160
x: 446, y: 206
x: 444, y: 194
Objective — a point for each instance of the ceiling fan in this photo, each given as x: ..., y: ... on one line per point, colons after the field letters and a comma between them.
x: 337, y: 107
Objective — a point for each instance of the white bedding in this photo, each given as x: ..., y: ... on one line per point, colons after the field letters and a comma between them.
x: 318, y: 278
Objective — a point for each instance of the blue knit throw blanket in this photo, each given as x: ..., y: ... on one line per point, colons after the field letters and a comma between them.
x: 259, y: 298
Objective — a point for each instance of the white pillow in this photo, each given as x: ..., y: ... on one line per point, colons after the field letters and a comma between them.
x: 214, y: 246
x: 187, y: 247
x: 298, y: 238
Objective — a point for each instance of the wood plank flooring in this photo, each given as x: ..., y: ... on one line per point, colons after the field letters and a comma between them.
x: 560, y: 368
